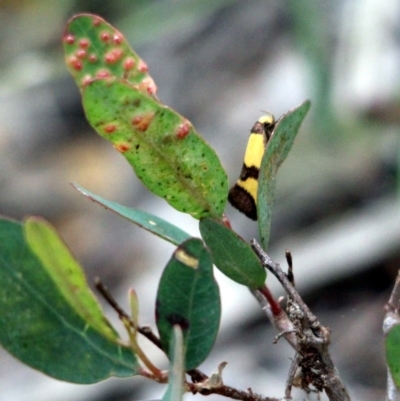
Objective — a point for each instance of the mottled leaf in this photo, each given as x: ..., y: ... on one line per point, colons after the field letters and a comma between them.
x: 163, y: 148
x: 95, y: 49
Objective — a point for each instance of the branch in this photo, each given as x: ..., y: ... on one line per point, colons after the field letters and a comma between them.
x: 280, y: 320
x: 231, y: 392
x: 390, y: 320
x: 314, y: 364
x: 200, y: 380
x: 276, y: 270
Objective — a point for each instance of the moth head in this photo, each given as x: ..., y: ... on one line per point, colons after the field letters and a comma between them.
x: 267, y: 120
x: 266, y: 124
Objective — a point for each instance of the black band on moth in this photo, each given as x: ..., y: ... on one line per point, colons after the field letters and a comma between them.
x: 249, y: 172
x: 268, y: 128
x: 243, y: 201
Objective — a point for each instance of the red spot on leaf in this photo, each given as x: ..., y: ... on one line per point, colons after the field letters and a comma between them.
x: 75, y: 63
x: 84, y: 43
x: 142, y: 67
x: 117, y: 39
x: 142, y: 121
x: 86, y: 80
x: 122, y: 147
x: 129, y: 63
x: 148, y: 85
x: 81, y: 53
x: 105, y: 37
x: 110, y: 128
x: 152, y: 88
x: 97, y: 21
x: 103, y: 74
x: 92, y: 58
x: 70, y: 39
x: 183, y: 130
x: 113, y: 56
x: 109, y: 57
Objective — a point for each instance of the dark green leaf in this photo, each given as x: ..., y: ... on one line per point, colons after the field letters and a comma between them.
x: 95, y: 49
x: 43, y: 325
x: 232, y: 254
x: 176, y: 373
x: 392, y: 345
x: 188, y: 295
x: 148, y: 221
x: 275, y: 153
x: 163, y: 148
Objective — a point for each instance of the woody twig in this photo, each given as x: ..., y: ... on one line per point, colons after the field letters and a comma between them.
x: 391, y: 319
x: 313, y: 369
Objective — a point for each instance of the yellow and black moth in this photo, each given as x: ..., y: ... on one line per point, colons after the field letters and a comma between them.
x: 243, y: 195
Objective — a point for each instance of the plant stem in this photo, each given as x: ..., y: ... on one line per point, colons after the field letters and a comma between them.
x: 314, y: 361
x: 390, y: 320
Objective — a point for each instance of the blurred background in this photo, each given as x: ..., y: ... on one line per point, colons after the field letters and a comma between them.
x: 221, y: 63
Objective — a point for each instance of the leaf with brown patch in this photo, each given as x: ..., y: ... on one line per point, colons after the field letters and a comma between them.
x: 163, y: 148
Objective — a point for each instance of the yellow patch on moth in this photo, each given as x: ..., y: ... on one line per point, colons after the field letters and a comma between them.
x: 243, y: 195
x: 251, y: 186
x: 186, y: 259
x: 255, y: 150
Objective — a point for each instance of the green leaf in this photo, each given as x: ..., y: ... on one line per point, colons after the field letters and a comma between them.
x: 163, y: 148
x: 232, y: 254
x: 149, y: 222
x: 176, y: 374
x: 392, y: 345
x: 66, y: 273
x: 39, y: 325
x: 134, y: 304
x: 275, y: 153
x: 95, y: 49
x: 188, y: 295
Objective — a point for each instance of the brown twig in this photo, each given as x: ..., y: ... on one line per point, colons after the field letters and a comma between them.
x: 291, y: 377
x: 391, y: 319
x: 109, y: 298
x: 147, y: 332
x: 289, y: 261
x: 276, y: 270
x: 196, y: 375
x: 314, y: 365
x: 393, y: 304
x: 131, y: 328
x: 280, y: 321
x: 232, y: 392
x: 274, y: 306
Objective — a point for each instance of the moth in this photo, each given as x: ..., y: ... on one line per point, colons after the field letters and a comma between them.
x: 243, y: 195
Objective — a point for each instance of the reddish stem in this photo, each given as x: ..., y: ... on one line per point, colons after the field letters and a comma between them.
x: 226, y: 221
x: 275, y: 307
